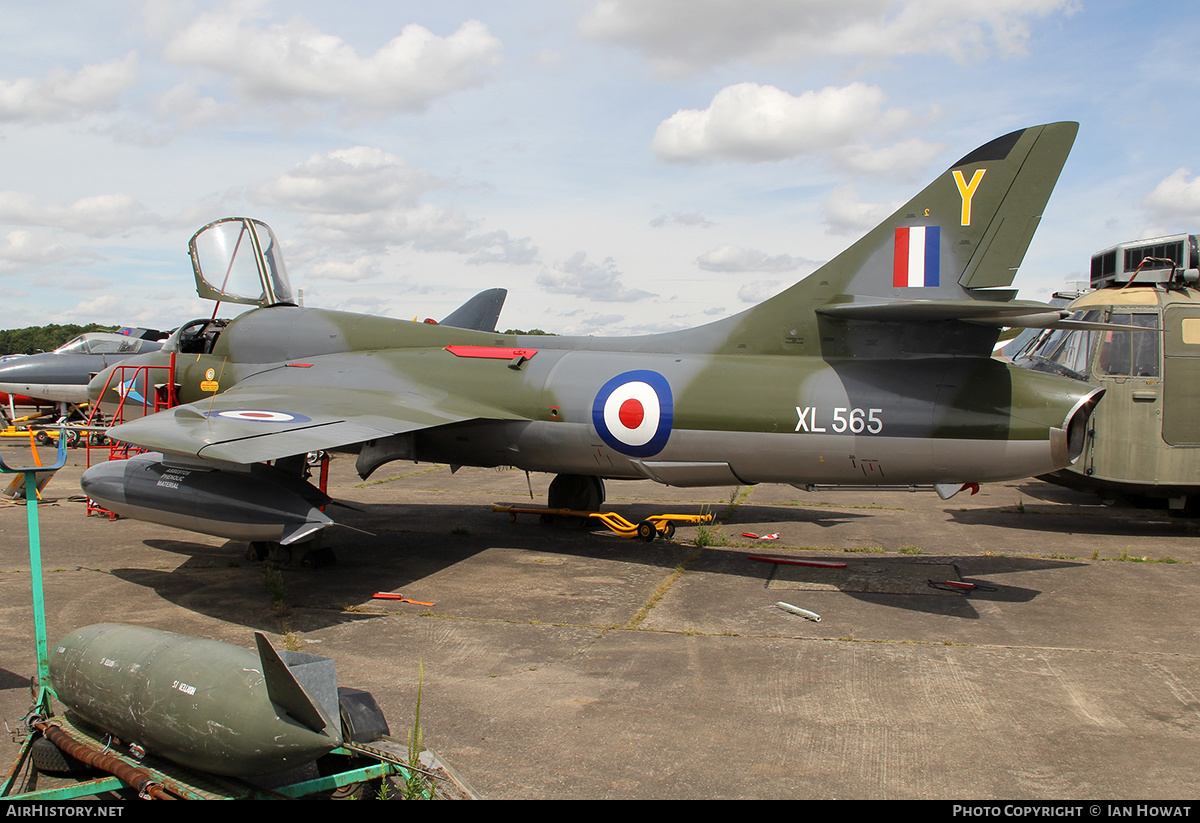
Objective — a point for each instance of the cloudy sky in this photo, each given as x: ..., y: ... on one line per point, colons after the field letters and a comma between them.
x: 620, y: 166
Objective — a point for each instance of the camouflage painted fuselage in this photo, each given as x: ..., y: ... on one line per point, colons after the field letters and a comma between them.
x: 876, y: 369
x: 722, y: 418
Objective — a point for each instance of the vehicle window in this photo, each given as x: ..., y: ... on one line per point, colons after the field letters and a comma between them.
x: 1070, y: 350
x: 1065, y: 351
x: 1130, y: 353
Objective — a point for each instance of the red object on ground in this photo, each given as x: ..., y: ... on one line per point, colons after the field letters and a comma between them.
x: 394, y: 596
x: 789, y: 561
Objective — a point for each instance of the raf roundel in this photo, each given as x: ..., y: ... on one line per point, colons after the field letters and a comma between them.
x: 260, y: 416
x: 632, y: 413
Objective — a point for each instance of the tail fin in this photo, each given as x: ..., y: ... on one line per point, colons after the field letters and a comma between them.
x: 947, y: 254
x: 480, y: 312
x: 969, y: 229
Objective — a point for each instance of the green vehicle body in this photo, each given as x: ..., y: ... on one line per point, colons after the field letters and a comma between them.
x: 1143, y: 440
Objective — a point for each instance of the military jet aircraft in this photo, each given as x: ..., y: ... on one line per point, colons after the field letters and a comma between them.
x: 874, y: 370
x: 61, y: 376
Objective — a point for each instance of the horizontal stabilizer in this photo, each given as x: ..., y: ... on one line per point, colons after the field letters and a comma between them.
x: 984, y: 312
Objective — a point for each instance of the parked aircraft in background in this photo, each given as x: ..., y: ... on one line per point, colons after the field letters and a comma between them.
x: 876, y: 370
x: 61, y: 376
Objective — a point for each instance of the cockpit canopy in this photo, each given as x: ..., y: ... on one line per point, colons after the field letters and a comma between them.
x: 238, y: 260
x: 99, y: 342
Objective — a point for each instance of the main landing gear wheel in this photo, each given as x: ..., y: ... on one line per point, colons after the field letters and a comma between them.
x: 578, y: 492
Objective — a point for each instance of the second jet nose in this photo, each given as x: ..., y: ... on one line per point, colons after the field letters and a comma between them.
x: 97, y: 384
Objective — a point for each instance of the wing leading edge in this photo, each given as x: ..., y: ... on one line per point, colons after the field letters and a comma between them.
x: 253, y: 423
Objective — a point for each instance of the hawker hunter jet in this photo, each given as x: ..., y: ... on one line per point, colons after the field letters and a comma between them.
x: 61, y: 376
x: 874, y: 370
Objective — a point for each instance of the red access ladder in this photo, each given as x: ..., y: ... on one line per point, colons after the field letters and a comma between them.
x: 154, y: 397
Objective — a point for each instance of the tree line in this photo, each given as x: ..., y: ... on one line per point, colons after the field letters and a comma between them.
x: 32, y: 339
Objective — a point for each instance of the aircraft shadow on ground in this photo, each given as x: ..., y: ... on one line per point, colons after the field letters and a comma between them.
x: 925, y: 582
x: 218, y: 580
x: 1102, y: 522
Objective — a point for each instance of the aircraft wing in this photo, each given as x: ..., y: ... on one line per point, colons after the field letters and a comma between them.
x: 258, y: 420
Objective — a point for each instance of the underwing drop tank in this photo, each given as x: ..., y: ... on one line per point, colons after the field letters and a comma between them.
x: 204, y: 704
x: 261, y: 503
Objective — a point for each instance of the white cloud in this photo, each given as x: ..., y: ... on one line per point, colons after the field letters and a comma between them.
x: 97, y: 216
x: 108, y: 306
x: 350, y: 271
x: 689, y: 35
x: 1176, y: 198
x: 739, y: 259
x: 357, y: 180
x: 23, y: 251
x: 363, y: 197
x: 578, y: 277
x: 752, y: 123
x: 682, y: 219
x: 846, y: 214
x: 499, y: 247
x: 758, y: 291
x: 295, y: 61
x: 895, y: 159
x: 66, y: 95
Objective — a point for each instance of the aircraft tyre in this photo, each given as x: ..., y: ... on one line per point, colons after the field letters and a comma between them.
x: 580, y: 492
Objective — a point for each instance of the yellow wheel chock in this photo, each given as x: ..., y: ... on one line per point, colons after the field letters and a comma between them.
x: 658, y: 525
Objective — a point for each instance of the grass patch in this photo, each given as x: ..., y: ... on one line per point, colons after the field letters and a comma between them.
x: 736, y: 497
x: 1126, y: 557
x: 659, y: 592
x: 709, y: 535
x: 910, y: 550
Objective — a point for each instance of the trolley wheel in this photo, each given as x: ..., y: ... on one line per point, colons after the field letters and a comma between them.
x: 72, y: 438
x: 668, y: 530
x: 646, y: 531
x: 50, y: 759
x: 512, y: 517
x: 42, y: 438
